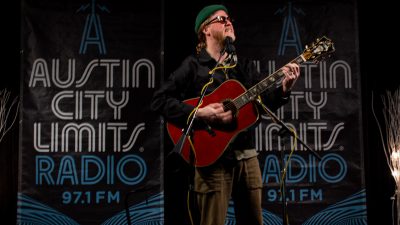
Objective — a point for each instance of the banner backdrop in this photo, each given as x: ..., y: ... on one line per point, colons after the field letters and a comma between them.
x: 88, y: 139
x: 324, y: 110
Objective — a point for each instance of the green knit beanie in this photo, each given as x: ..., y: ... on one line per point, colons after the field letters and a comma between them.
x: 205, y: 13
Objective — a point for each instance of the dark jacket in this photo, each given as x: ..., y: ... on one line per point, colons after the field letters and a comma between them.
x: 187, y: 81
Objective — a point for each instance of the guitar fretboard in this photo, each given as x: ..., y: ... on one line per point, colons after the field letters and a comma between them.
x: 265, y: 84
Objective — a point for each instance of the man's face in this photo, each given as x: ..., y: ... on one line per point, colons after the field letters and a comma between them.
x: 220, y: 26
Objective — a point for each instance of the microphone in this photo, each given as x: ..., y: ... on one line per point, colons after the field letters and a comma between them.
x: 228, y: 45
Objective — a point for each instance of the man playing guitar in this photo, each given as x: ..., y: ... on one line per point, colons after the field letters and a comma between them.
x: 232, y: 172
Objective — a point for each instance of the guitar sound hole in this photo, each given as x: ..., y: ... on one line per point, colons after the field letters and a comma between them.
x: 229, y: 105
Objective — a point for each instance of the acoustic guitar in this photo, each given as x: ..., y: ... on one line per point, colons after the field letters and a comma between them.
x: 209, y: 143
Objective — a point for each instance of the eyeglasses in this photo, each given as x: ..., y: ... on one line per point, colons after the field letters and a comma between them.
x: 220, y: 19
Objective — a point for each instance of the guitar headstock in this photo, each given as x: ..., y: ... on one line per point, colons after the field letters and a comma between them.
x: 318, y: 50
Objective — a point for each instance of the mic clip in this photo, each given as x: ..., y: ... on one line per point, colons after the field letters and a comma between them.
x: 228, y: 46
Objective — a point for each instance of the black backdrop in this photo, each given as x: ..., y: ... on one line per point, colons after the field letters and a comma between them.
x: 378, y: 69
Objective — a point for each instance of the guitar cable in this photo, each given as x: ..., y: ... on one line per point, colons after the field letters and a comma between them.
x: 206, y: 85
x: 211, y: 72
x: 291, y: 151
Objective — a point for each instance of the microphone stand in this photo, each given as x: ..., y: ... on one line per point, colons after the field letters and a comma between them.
x: 126, y: 202
x: 282, y: 132
x: 285, y: 218
x: 187, y: 131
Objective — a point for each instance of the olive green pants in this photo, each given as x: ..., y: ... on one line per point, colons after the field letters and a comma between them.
x: 215, y: 185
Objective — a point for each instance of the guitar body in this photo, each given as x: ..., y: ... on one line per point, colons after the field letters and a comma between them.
x: 209, y: 147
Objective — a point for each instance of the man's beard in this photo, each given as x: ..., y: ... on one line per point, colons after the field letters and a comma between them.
x: 219, y: 37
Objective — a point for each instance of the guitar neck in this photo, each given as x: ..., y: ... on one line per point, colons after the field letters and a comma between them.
x: 252, y: 93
